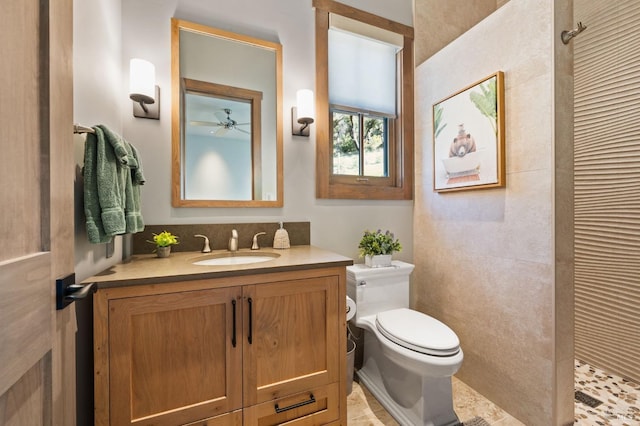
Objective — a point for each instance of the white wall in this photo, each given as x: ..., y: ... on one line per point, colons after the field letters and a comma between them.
x: 335, y: 224
x: 97, y: 78
x: 218, y: 168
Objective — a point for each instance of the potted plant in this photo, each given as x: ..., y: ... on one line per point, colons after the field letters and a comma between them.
x: 163, y: 242
x: 378, y: 247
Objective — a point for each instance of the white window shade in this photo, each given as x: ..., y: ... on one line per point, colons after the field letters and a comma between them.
x: 362, y: 72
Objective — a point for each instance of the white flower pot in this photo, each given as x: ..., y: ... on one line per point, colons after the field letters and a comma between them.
x: 378, y: 260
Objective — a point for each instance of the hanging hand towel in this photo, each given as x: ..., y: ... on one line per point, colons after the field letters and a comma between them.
x: 112, y: 178
x: 133, y: 213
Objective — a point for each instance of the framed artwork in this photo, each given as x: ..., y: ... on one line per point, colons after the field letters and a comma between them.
x: 468, y: 137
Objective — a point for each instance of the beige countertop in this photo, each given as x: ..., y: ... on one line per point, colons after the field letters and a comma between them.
x: 149, y: 269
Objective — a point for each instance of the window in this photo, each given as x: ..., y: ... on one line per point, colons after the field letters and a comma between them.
x: 364, y: 86
x: 360, y: 144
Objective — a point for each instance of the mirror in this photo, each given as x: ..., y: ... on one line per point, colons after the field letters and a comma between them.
x: 226, y: 118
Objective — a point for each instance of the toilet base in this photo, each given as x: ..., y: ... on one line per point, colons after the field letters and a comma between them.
x: 411, y: 399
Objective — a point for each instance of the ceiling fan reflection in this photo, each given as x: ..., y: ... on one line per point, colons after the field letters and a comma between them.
x: 224, y: 125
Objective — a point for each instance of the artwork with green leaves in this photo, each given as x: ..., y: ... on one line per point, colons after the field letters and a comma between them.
x: 468, y: 137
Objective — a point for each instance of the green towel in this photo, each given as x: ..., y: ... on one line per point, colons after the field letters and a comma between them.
x: 133, y: 215
x: 112, y: 178
x: 93, y: 144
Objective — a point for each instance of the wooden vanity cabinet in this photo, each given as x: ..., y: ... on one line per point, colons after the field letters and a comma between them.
x: 251, y: 350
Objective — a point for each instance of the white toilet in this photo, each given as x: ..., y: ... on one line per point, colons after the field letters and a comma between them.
x: 409, y: 357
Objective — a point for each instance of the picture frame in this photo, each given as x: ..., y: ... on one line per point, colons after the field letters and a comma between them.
x: 468, y: 137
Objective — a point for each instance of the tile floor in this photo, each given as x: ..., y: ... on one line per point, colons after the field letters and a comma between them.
x: 364, y: 410
x: 620, y: 398
x: 620, y: 407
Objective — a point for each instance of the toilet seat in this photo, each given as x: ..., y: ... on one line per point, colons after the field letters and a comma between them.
x: 418, y: 332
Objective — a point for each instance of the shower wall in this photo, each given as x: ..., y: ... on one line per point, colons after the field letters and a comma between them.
x: 497, y: 265
x: 607, y: 185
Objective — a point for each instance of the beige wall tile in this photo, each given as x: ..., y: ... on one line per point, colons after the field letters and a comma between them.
x: 441, y: 22
x: 489, y: 262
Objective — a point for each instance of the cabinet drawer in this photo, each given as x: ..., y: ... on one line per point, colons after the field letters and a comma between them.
x: 318, y: 406
x: 230, y: 419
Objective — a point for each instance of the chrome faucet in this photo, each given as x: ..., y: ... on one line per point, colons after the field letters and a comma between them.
x: 233, y: 241
x: 255, y: 245
x: 206, y: 248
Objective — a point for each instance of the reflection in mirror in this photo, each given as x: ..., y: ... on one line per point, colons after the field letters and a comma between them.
x: 222, y: 133
x: 226, y: 119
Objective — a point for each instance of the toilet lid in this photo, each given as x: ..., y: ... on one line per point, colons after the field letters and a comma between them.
x: 417, y: 331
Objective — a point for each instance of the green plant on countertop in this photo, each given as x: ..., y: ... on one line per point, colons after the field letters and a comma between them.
x: 375, y: 243
x: 164, y: 239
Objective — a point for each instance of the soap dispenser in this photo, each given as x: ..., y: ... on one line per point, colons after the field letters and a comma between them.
x: 281, y: 239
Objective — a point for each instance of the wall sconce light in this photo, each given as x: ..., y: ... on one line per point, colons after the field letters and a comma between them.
x: 303, y: 113
x: 143, y: 90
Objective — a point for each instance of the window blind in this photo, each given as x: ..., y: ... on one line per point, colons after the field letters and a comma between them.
x: 362, y: 69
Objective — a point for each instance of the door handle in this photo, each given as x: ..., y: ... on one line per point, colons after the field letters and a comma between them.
x: 67, y: 291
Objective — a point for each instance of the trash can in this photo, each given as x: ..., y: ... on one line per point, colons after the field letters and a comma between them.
x: 351, y: 353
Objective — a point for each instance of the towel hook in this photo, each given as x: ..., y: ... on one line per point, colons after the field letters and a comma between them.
x: 566, y: 36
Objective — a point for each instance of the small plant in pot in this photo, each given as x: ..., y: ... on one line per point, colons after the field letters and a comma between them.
x: 163, y: 242
x: 377, y: 248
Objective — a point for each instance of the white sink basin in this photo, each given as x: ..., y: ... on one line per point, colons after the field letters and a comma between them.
x: 225, y: 259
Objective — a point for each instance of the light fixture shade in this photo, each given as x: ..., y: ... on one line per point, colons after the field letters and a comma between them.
x: 142, y: 81
x: 306, y: 107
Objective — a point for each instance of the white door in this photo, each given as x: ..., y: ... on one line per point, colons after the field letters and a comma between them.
x: 37, y: 352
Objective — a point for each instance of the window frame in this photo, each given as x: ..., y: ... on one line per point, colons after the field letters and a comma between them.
x: 399, y: 184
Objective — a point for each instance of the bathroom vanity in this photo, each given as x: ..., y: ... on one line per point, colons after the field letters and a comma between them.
x: 177, y: 343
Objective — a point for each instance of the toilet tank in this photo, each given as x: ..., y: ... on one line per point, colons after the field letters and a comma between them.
x: 378, y: 289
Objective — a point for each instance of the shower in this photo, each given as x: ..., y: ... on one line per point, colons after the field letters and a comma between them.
x: 607, y: 189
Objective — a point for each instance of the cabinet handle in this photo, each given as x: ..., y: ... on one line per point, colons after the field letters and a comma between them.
x: 233, y: 337
x: 250, y: 335
x: 311, y: 400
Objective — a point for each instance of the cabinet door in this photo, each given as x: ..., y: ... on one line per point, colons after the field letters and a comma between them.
x: 172, y: 357
x: 291, y: 339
